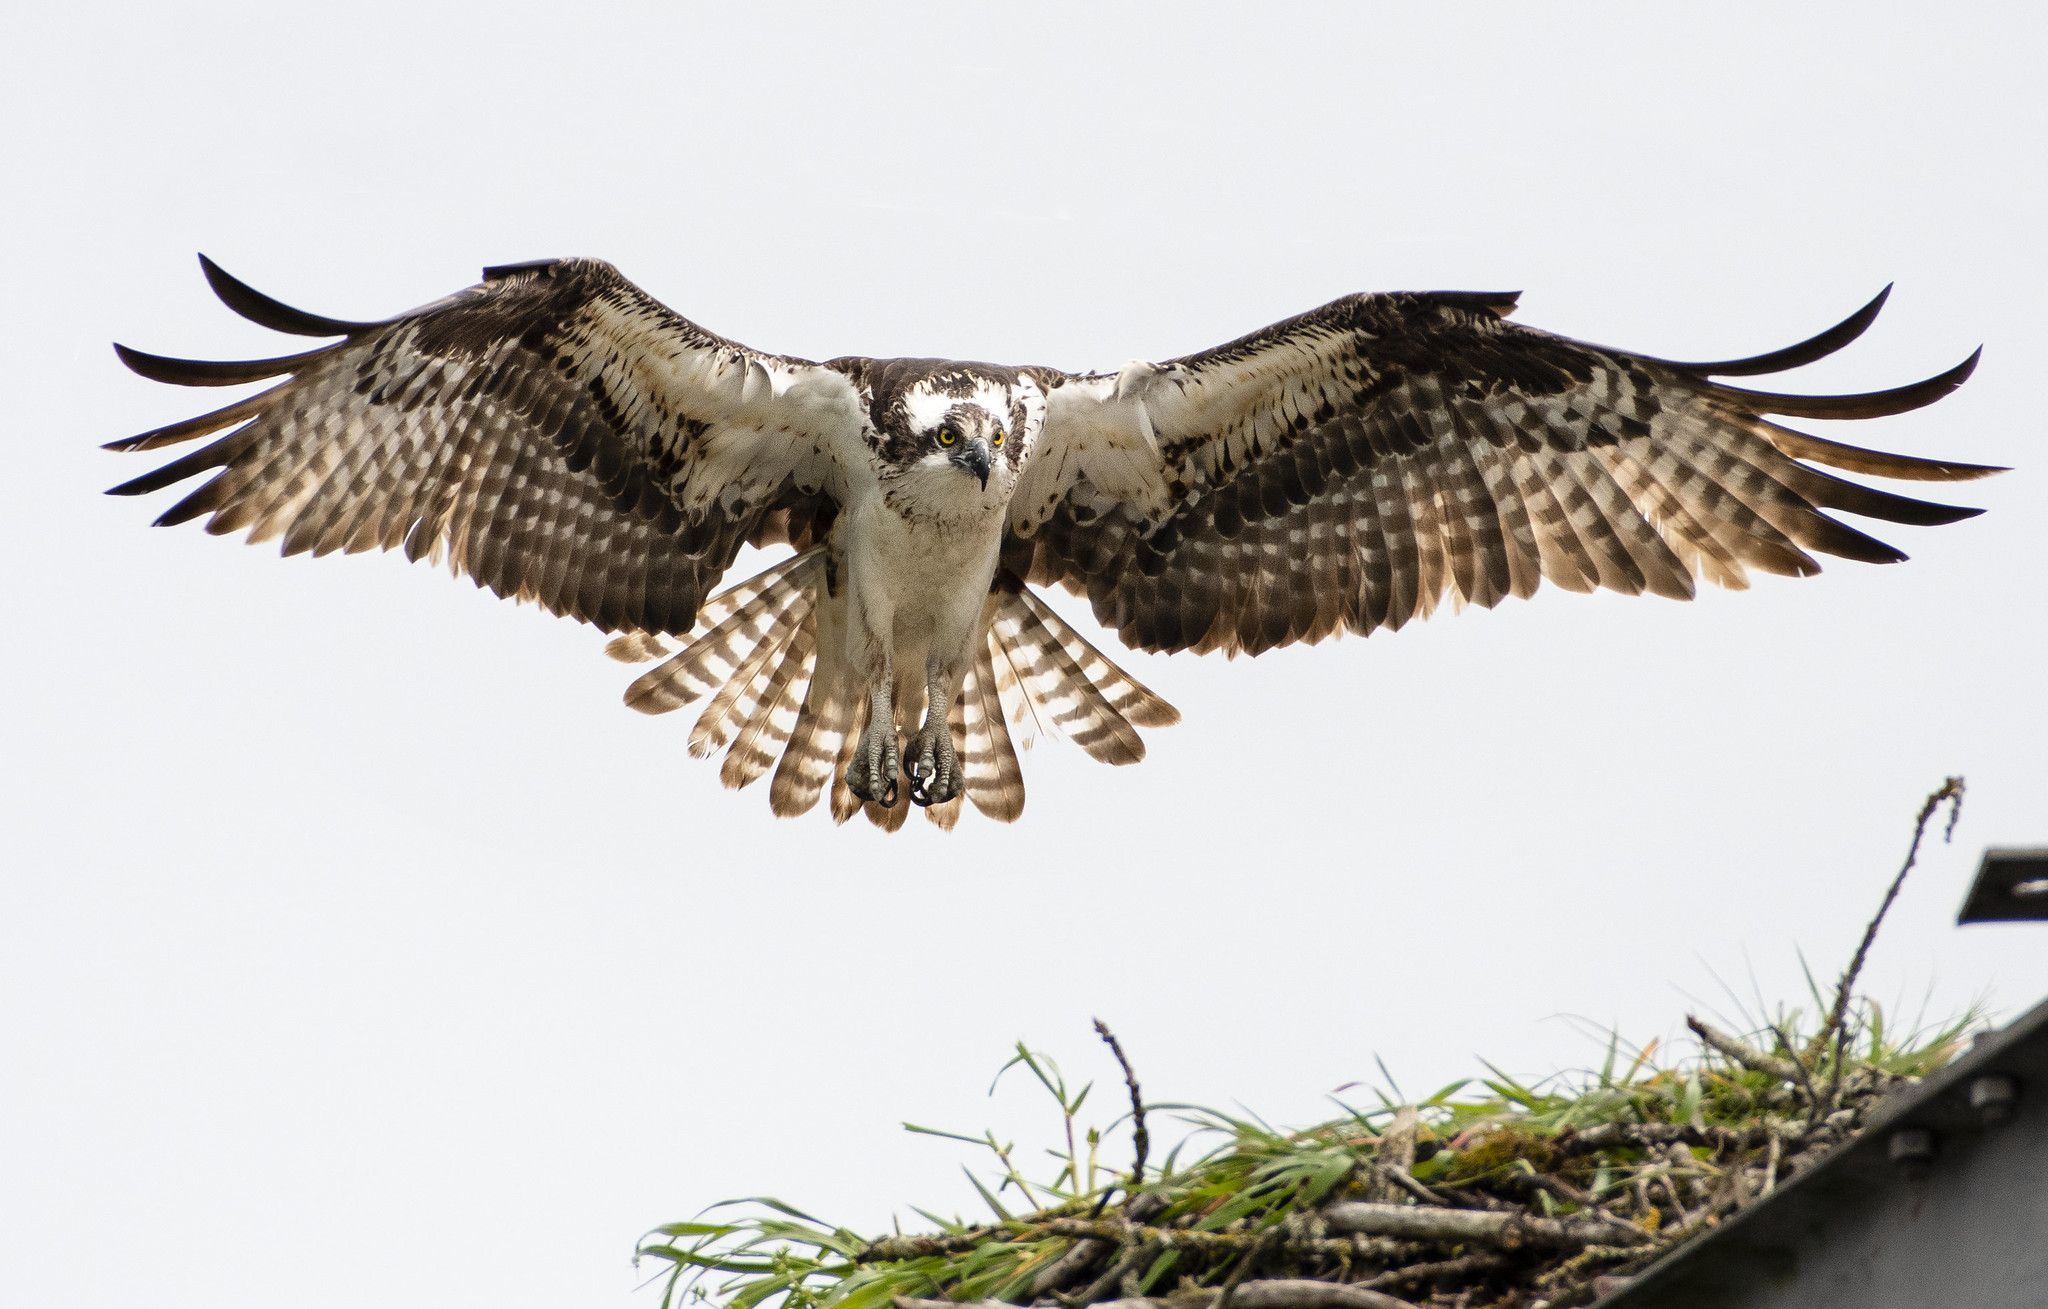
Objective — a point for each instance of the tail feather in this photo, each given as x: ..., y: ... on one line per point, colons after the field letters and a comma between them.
x: 845, y: 804
x: 995, y: 782
x: 757, y: 654
x: 737, y: 621
x: 637, y: 647
x: 890, y: 818
x: 736, y: 702
x: 1125, y: 694
x: 1015, y: 700
x: 767, y: 730
x: 1061, y: 692
x: 823, y: 723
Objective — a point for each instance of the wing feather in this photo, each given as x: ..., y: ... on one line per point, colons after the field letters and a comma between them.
x: 552, y: 432
x: 1351, y: 468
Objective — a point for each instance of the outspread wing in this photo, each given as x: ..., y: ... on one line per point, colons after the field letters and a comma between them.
x: 552, y: 432
x: 1350, y: 468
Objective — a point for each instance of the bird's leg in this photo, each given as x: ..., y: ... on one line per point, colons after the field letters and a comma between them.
x: 935, y: 775
x: 876, y: 766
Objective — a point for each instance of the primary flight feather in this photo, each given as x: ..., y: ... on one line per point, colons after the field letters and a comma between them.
x: 561, y: 437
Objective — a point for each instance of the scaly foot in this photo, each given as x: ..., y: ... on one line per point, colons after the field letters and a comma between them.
x: 935, y: 775
x: 873, y: 773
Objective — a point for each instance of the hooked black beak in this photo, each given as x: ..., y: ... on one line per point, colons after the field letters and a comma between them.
x: 975, y: 457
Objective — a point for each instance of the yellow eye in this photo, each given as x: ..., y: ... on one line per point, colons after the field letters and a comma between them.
x: 998, y: 441
x: 947, y: 436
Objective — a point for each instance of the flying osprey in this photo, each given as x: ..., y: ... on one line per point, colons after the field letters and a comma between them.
x: 561, y: 437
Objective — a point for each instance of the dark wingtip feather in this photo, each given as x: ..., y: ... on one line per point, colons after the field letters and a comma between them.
x: 1870, y: 404
x: 260, y: 309
x: 209, y: 372
x: 1877, y: 463
x: 240, y: 411
x: 1792, y: 356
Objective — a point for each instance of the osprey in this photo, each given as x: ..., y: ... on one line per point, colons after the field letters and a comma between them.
x: 561, y: 437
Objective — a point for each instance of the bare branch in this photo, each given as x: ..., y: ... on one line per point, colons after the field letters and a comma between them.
x: 1139, y: 1137
x: 1244, y: 1265
x: 1400, y: 1180
x: 1951, y: 791
x: 1273, y: 1293
x: 1506, y: 1231
x: 1643, y: 1136
x: 1742, y: 1052
x: 1463, y: 1266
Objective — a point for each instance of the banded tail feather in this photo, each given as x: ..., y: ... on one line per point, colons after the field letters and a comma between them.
x: 735, y: 622
x: 775, y: 699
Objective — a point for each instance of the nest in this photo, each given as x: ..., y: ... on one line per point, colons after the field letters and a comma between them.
x: 1490, y: 1194
x: 1515, y: 1198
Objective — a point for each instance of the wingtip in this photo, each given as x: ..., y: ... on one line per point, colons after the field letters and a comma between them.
x: 223, y: 282
x: 274, y: 314
x: 1869, y: 404
x: 1805, y: 352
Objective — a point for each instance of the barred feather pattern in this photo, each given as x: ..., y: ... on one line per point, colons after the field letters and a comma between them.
x: 827, y: 718
x: 1358, y: 466
x: 734, y: 706
x: 769, y: 707
x: 774, y: 717
x: 769, y: 602
x: 995, y: 780
x: 553, y: 433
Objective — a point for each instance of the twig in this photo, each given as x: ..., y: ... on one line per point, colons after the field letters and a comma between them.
x: 1505, y: 1231
x: 1079, y: 1257
x: 1244, y: 1265
x: 1131, y: 1260
x: 1403, y: 1180
x: 1296, y: 1293
x: 892, y: 1248
x: 1639, y: 1136
x: 1562, y: 1190
x: 1178, y: 1238
x: 1094, y: 1239
x: 1951, y: 791
x: 1742, y: 1052
x: 1139, y: 1137
x: 1271, y: 1293
x: 1481, y: 1262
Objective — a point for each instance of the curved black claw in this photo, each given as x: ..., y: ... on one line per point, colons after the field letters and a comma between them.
x: 888, y: 797
x: 922, y: 773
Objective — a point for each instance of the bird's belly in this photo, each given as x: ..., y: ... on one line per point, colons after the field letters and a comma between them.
x: 919, y: 586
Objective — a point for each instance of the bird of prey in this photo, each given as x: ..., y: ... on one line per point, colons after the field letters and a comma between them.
x: 559, y: 436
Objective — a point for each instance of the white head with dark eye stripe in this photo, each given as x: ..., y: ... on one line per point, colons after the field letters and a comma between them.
x: 957, y: 438
x: 971, y: 439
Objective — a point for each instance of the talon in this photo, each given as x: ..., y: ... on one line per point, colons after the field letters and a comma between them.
x: 888, y: 800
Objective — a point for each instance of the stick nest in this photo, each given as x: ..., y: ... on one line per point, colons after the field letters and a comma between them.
x: 1490, y: 1194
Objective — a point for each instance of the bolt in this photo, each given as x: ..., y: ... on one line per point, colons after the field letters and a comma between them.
x: 1992, y: 1096
x: 1912, y: 1149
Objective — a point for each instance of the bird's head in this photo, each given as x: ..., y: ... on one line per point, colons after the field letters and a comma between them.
x: 960, y: 436
x: 971, y: 439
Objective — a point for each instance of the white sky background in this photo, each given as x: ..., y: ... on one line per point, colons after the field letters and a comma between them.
x: 357, y: 947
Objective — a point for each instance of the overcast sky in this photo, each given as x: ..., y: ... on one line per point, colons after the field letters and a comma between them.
x: 358, y: 947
